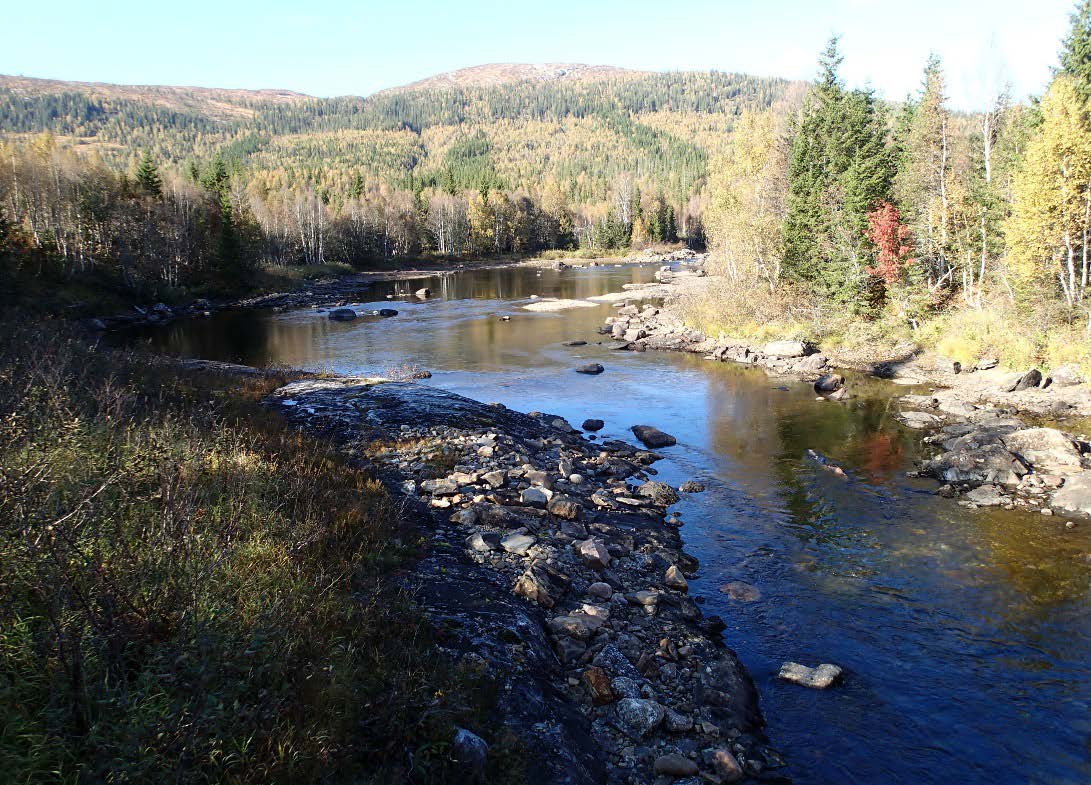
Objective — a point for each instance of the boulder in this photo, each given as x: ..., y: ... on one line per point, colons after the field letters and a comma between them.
x: 564, y: 507
x: 989, y: 464
x: 483, y: 542
x: 386, y: 313
x: 594, y: 553
x: 637, y: 717
x: 424, y: 293
x: 674, y: 579
x: 986, y: 496
x: 469, y: 753
x: 536, y: 497
x: 1075, y: 495
x: 591, y: 369
x: 785, y: 349
x: 1031, y: 378
x: 830, y: 382
x: 518, y: 544
x: 691, y: 486
x: 725, y: 765
x: 658, y: 492
x: 580, y: 626
x: 1046, y: 449
x: 818, y: 678
x: 342, y: 315
x: 919, y: 420
x: 597, y: 683
x: 674, y: 765
x: 593, y: 425
x: 542, y: 584
x: 653, y: 437
x: 1067, y: 375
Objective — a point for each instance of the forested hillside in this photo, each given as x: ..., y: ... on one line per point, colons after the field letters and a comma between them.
x: 196, y: 185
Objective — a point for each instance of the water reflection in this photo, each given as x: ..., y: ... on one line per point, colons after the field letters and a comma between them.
x: 965, y: 634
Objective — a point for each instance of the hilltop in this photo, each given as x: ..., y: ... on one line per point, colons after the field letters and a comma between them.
x: 494, y: 74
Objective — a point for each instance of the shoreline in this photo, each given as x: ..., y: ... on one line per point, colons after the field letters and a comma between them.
x: 990, y: 426
x: 552, y: 565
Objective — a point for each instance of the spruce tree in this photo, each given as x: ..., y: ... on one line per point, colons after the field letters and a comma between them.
x: 1076, y: 54
x: 147, y: 176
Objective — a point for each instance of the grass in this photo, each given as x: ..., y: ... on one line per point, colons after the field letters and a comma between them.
x: 1046, y: 336
x: 193, y: 593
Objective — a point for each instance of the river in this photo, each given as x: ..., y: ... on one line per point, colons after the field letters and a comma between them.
x: 965, y: 635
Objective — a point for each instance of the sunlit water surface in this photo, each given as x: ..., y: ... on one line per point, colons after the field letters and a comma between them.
x: 965, y: 635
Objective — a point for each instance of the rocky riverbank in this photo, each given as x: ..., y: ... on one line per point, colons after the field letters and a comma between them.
x: 551, y: 564
x: 982, y: 420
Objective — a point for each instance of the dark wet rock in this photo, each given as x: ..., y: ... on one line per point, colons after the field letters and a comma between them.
x: 653, y: 437
x: 591, y: 369
x: 342, y: 315
x: 593, y: 425
x: 386, y: 313
x: 818, y: 678
x: 830, y: 382
x: 740, y: 591
x: 470, y: 754
x: 574, y: 343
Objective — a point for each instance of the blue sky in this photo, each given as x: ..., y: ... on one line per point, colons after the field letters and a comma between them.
x: 340, y: 47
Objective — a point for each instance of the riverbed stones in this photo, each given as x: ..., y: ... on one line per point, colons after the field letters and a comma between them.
x: 594, y: 553
x: 675, y: 765
x: 988, y: 464
x: 637, y: 717
x: 518, y: 544
x: 564, y: 507
x: 674, y: 579
x: 739, y: 591
x: 818, y: 678
x: 593, y: 425
x: 537, y: 497
x: 342, y: 315
x: 590, y: 369
x: 726, y: 766
x: 659, y: 492
x: 653, y: 437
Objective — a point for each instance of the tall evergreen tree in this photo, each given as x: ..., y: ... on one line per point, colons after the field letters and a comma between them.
x: 1076, y: 54
x: 147, y: 176
x: 839, y: 168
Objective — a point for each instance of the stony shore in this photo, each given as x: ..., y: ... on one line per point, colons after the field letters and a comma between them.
x: 983, y: 422
x: 551, y: 564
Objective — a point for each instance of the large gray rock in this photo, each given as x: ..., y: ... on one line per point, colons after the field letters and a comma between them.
x: 637, y: 717
x: 1031, y: 378
x: 1046, y: 449
x: 1067, y: 375
x: 653, y: 437
x: 785, y: 349
x: 1075, y: 495
x: 658, y: 492
x: 593, y: 425
x: 989, y: 464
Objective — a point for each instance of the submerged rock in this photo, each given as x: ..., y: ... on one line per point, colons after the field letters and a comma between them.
x: 831, y: 382
x: 740, y: 591
x: 818, y: 678
x: 342, y: 315
x: 593, y: 425
x: 591, y: 369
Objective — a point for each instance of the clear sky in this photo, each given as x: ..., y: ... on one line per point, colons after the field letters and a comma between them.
x: 337, y: 47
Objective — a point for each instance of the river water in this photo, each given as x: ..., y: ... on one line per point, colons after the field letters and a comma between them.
x: 965, y: 635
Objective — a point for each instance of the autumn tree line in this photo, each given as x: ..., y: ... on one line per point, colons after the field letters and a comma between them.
x: 865, y: 209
